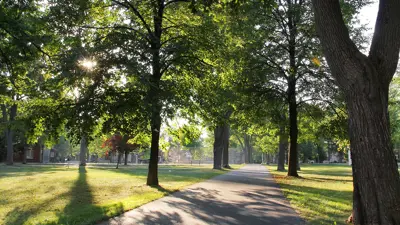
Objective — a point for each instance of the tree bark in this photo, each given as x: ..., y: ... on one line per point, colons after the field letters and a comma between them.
x: 246, y: 154
x: 293, y: 129
x: 154, y: 92
x: 152, y: 176
x: 218, y: 146
x: 292, y: 77
x: 126, y: 158
x: 4, y: 114
x: 24, y: 155
x: 10, y: 136
x: 225, y: 158
x: 283, y: 145
x: 365, y: 81
x: 249, y: 148
x: 119, y: 159
x: 82, y: 154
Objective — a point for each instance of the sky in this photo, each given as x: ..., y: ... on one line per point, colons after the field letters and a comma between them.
x: 368, y: 15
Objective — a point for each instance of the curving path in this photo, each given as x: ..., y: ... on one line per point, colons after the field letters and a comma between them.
x: 246, y: 196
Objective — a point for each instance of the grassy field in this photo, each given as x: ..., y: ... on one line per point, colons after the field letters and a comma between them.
x: 322, y: 196
x: 62, y: 195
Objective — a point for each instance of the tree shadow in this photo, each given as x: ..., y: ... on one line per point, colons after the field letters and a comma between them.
x: 204, y: 205
x: 81, y: 208
x: 27, y: 170
x: 326, y: 179
x: 170, y: 173
x: 247, y: 199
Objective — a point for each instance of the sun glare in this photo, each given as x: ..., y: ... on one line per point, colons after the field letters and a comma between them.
x: 88, y: 64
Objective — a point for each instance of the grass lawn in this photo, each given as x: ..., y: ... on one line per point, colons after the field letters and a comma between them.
x: 323, y: 195
x: 34, y: 194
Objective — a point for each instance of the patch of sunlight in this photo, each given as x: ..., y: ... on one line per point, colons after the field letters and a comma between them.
x: 323, y: 194
x: 60, y: 195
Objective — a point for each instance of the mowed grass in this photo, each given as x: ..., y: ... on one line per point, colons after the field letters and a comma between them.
x: 322, y: 196
x: 60, y: 195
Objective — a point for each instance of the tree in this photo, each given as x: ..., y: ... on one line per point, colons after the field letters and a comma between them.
x: 22, y: 61
x: 365, y: 80
x: 122, y: 145
x: 185, y: 137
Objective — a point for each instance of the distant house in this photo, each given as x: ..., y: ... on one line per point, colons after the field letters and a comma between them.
x: 33, y: 154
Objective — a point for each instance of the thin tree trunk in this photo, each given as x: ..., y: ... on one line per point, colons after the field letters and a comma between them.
x: 82, y: 154
x: 4, y: 114
x: 283, y: 145
x: 119, y: 159
x: 126, y: 158
x: 246, y: 154
x: 365, y: 81
x: 248, y: 147
x: 24, y: 155
x: 218, y: 146
x: 226, y: 137
x: 10, y: 136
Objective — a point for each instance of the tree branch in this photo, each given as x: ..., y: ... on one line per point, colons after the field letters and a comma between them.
x: 128, y: 6
x: 341, y: 52
x: 384, y: 51
x: 174, y: 1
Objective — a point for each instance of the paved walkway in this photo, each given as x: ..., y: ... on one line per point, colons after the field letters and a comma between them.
x: 246, y: 196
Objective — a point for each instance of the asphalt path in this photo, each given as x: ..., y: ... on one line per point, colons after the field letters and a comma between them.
x: 245, y: 196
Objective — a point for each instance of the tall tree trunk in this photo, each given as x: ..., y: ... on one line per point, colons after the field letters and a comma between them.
x: 291, y: 91
x: 4, y: 120
x: 250, y: 151
x: 365, y: 81
x: 24, y: 154
x: 10, y: 136
x: 218, y: 146
x: 246, y: 154
x: 283, y: 145
x: 82, y: 154
x: 249, y: 148
x: 154, y: 92
x: 293, y: 130
x: 152, y: 176
x: 119, y: 159
x: 126, y: 158
x: 226, y: 137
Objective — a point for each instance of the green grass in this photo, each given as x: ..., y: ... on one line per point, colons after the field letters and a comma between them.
x: 322, y: 196
x: 59, y: 195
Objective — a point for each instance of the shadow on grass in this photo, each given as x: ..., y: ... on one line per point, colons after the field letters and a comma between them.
x: 27, y: 170
x: 325, y: 179
x: 81, y: 208
x: 171, y: 173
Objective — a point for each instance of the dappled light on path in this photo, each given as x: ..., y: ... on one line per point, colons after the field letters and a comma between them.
x: 245, y: 196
